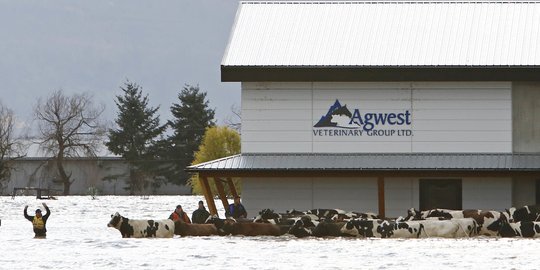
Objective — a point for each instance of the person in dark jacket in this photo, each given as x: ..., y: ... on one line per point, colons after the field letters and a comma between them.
x: 179, y: 214
x: 39, y: 221
x: 236, y: 210
x: 200, y: 215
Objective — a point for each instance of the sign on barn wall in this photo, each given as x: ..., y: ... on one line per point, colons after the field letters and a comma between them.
x: 375, y: 117
x: 340, y: 121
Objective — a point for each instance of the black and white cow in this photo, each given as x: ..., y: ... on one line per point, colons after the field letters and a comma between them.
x: 268, y: 216
x: 328, y: 228
x: 327, y: 214
x: 303, y: 227
x: 413, y: 214
x: 393, y: 229
x: 483, y: 218
x: 340, y: 215
x: 438, y: 228
x: 529, y: 229
x: 362, y: 228
x: 132, y: 228
x: 525, y: 213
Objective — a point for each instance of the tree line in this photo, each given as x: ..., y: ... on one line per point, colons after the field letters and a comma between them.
x: 156, y: 153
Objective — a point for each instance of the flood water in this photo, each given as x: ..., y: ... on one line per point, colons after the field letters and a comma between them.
x: 78, y: 238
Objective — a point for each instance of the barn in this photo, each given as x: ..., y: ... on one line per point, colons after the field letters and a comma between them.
x: 384, y: 105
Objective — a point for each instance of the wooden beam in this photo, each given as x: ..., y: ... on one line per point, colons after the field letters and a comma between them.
x: 208, y: 195
x: 221, y: 193
x: 232, y: 187
x: 382, y: 206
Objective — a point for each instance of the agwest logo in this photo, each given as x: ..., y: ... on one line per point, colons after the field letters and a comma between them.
x: 341, y: 117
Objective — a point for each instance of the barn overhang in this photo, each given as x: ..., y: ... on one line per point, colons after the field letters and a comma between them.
x: 378, y: 165
x: 374, y: 74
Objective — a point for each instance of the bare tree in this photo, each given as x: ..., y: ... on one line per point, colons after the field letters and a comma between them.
x: 10, y: 145
x: 234, y: 121
x: 69, y: 126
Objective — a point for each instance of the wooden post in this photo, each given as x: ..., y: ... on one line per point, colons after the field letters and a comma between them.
x: 232, y: 187
x: 208, y: 195
x: 380, y: 187
x: 221, y: 192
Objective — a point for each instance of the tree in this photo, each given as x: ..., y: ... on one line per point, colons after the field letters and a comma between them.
x: 68, y: 126
x: 137, y: 137
x: 191, y: 118
x: 218, y: 142
x: 10, y: 146
x: 234, y: 121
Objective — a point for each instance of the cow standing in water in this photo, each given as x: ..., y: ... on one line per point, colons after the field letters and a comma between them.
x: 525, y: 213
x: 483, y: 219
x: 132, y: 228
x: 187, y: 229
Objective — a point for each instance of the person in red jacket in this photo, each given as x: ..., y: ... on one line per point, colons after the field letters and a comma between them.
x: 179, y: 214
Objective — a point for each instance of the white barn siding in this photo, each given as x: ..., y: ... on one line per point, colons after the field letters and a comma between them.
x: 487, y: 193
x: 282, y: 194
x: 446, y: 116
x: 350, y: 194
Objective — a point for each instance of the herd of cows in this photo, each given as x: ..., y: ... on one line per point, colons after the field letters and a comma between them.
x: 513, y: 222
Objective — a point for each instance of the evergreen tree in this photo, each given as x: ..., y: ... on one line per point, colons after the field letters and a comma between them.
x: 136, y: 137
x: 191, y: 118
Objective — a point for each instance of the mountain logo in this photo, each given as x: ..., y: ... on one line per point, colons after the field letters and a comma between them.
x: 335, y: 116
x: 341, y: 117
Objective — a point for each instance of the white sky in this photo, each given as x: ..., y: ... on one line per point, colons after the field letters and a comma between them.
x: 95, y: 46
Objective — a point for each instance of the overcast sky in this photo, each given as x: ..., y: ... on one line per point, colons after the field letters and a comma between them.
x: 94, y: 46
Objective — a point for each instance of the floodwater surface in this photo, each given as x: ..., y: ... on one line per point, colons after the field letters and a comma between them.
x: 78, y: 238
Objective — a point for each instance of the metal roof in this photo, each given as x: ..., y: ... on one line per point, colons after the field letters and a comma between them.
x: 373, y: 162
x: 385, y: 33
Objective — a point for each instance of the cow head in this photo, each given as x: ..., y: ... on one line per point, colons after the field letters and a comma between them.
x: 228, y: 225
x: 299, y: 228
x: 115, y: 221
x: 413, y: 214
x: 268, y: 216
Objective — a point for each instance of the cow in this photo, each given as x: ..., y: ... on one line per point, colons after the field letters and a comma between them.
x: 413, y: 214
x: 327, y: 228
x: 525, y: 213
x: 306, y: 227
x: 132, y: 228
x: 300, y: 229
x: 367, y: 215
x: 393, y: 229
x: 230, y: 226
x: 185, y: 229
x: 529, y: 229
x: 303, y: 226
x: 438, y: 228
x: 268, y: 216
x: 483, y: 218
x: 467, y: 227
x: 362, y: 228
x: 326, y: 213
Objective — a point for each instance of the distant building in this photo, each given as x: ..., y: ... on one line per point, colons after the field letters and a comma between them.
x: 383, y: 106
x: 108, y: 174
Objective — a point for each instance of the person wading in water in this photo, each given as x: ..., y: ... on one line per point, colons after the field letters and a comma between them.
x: 39, y: 221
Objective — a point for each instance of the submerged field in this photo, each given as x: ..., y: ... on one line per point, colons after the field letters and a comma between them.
x: 78, y: 237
